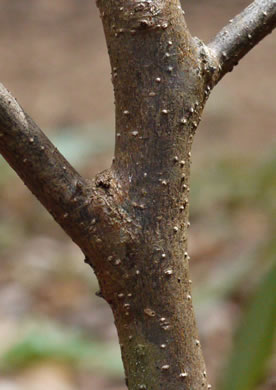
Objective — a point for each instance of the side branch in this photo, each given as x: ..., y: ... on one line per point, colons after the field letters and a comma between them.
x: 244, y: 32
x: 39, y: 164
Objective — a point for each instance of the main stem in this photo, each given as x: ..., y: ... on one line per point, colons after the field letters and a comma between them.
x: 160, y: 76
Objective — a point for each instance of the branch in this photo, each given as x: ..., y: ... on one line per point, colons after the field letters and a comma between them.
x: 39, y: 164
x: 244, y: 32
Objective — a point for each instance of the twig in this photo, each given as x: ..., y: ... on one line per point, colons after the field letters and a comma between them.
x: 242, y: 33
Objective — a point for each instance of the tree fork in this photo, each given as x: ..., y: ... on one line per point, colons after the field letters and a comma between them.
x: 131, y: 221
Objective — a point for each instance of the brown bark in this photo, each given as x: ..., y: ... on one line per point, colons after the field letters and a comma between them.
x: 131, y: 221
x: 242, y: 33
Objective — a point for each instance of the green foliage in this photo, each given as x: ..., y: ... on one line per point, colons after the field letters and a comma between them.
x: 229, y: 186
x: 235, y: 182
x: 58, y: 344
x: 254, y: 339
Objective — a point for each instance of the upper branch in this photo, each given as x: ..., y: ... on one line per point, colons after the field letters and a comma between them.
x: 242, y: 34
x: 39, y: 164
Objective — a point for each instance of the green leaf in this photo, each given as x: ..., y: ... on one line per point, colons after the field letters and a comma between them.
x: 254, y: 339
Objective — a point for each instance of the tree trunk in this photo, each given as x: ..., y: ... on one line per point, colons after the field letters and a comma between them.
x: 159, y: 84
x: 131, y: 221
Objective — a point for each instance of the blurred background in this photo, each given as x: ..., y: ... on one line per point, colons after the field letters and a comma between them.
x: 54, y: 332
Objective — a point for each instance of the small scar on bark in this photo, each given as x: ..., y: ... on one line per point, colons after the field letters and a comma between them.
x: 103, y: 180
x: 103, y: 184
x: 87, y: 261
x: 99, y: 294
x: 144, y: 24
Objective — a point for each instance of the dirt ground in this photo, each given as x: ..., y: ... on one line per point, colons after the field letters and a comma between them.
x: 53, y: 58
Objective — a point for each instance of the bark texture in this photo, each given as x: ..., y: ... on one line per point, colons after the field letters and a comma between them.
x: 242, y: 33
x: 131, y: 221
x: 159, y: 83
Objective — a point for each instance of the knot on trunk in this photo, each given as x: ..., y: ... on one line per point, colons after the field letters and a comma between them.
x: 143, y: 15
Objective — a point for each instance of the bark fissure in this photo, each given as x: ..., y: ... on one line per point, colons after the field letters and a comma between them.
x: 131, y: 221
